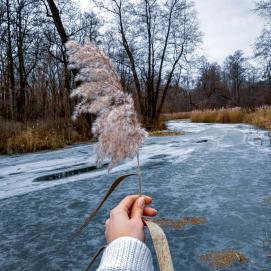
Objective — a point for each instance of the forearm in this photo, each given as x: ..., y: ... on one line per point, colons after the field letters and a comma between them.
x: 126, y: 254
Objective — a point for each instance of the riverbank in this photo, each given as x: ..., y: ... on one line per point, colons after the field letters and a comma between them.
x: 260, y: 117
x: 42, y: 135
x: 215, y: 172
x: 17, y: 137
x: 49, y: 135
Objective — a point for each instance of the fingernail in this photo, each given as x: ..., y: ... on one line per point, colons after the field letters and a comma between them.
x: 141, y: 202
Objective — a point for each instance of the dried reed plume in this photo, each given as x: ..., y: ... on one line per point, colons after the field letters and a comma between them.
x: 100, y: 92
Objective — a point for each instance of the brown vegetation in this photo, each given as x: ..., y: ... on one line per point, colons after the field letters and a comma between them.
x: 223, y: 259
x: 175, y: 116
x: 165, y: 133
x: 35, y: 82
x: 260, y: 117
x: 233, y: 115
x: 16, y: 137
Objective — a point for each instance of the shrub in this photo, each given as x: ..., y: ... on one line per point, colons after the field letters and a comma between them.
x: 260, y: 117
x: 229, y: 115
x: 175, y: 116
x: 41, y: 135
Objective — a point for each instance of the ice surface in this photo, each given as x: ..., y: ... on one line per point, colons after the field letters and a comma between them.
x: 224, y: 179
x: 18, y: 172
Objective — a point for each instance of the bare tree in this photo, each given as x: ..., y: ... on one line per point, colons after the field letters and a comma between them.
x: 263, y: 54
x: 32, y: 57
x: 210, y: 86
x: 263, y: 43
x: 263, y: 7
x: 11, y: 79
x: 235, y: 70
x: 156, y: 36
x: 70, y: 24
x: 27, y: 48
x: 54, y: 13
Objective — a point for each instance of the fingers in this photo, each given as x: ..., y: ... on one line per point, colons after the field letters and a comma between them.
x: 148, y: 200
x: 128, y: 202
x: 138, y: 208
x: 149, y: 212
x: 106, y: 228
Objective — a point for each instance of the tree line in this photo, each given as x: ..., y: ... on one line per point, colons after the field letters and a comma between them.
x: 152, y: 43
x: 236, y: 83
x: 34, y: 78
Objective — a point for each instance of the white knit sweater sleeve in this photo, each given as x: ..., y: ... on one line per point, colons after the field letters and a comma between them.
x: 126, y: 254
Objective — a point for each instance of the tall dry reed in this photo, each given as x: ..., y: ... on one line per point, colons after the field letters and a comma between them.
x: 17, y: 137
x: 260, y: 117
x: 229, y: 115
x: 100, y: 92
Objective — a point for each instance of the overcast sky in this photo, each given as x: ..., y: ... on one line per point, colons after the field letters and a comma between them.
x: 227, y: 25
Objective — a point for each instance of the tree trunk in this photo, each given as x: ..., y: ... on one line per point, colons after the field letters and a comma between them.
x: 11, y: 79
x: 55, y: 14
x: 22, y: 75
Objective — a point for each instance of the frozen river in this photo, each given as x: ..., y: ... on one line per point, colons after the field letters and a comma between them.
x: 220, y: 172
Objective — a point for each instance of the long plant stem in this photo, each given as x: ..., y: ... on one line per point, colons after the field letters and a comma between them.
x: 95, y: 257
x: 139, y: 176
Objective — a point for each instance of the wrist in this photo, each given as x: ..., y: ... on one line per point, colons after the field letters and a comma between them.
x: 126, y: 253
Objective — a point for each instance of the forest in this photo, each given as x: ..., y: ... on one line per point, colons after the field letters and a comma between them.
x: 154, y: 46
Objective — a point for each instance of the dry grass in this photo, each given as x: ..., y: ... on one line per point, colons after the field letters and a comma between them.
x: 232, y: 115
x: 223, y: 259
x: 21, y: 138
x: 180, y: 223
x: 175, y: 116
x: 165, y: 133
x: 260, y: 117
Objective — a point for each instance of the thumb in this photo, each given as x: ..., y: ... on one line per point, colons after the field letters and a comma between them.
x: 138, y: 208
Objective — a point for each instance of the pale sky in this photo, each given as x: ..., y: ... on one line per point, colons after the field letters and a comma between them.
x: 227, y: 25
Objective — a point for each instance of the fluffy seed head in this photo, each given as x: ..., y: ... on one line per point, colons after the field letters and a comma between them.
x: 100, y: 92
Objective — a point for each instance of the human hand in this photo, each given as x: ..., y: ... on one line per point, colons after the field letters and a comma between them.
x: 126, y: 218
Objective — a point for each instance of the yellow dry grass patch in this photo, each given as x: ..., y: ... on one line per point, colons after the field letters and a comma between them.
x: 175, y: 116
x: 31, y: 137
x: 223, y: 259
x: 31, y: 140
x: 165, y: 133
x: 260, y: 117
x: 232, y: 115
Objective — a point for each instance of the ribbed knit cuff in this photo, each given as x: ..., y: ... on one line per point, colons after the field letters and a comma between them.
x: 126, y: 254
